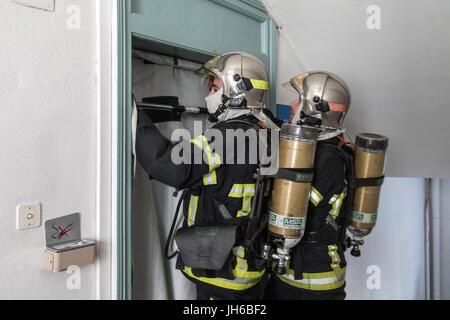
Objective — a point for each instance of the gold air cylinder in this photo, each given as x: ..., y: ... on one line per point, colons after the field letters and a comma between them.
x: 370, y: 159
x: 290, y: 199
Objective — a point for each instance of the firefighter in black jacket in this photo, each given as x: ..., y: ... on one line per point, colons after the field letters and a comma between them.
x: 218, y: 188
x: 318, y: 266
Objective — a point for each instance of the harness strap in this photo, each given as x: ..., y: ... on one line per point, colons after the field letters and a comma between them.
x: 295, y: 175
x: 368, y: 182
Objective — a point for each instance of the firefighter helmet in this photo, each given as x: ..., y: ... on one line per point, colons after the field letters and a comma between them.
x: 325, y: 96
x: 244, y: 78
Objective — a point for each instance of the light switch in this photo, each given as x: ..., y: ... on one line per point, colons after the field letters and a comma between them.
x: 47, y: 5
x: 29, y: 216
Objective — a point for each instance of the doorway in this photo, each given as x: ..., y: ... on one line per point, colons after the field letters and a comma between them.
x: 153, y: 53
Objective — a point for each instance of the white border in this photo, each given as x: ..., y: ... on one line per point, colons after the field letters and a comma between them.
x: 106, y: 138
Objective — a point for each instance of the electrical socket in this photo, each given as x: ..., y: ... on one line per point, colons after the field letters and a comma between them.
x: 28, y: 216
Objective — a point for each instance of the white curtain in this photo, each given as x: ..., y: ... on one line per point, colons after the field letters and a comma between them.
x: 153, y: 203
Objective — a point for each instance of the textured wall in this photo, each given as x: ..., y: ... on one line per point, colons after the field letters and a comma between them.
x: 47, y: 138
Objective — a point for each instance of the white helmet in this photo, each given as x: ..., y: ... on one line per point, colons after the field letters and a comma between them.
x: 245, y: 83
x: 325, y: 97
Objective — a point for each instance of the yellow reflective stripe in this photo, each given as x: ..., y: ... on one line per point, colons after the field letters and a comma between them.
x: 335, y: 259
x: 315, y: 196
x: 241, y: 269
x: 210, y: 179
x: 198, y: 142
x: 238, y: 284
x: 336, y: 203
x: 246, y: 207
x: 241, y: 263
x: 214, y: 160
x: 244, y: 279
x: 249, y: 274
x: 260, y: 84
x: 192, y: 211
x: 246, y: 192
x: 242, y: 191
x: 316, y: 281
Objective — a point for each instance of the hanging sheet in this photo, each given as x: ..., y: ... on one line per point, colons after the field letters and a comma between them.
x: 153, y: 203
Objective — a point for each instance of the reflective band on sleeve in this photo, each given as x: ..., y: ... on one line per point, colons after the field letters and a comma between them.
x: 210, y: 179
x: 260, y: 84
x: 292, y: 223
x: 213, y: 159
x: 315, y: 196
x: 361, y: 217
x: 316, y: 281
x: 192, y: 210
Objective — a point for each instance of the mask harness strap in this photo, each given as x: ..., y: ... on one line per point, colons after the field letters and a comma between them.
x: 221, y: 110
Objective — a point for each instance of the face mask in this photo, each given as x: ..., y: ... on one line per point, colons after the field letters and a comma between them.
x: 214, y: 101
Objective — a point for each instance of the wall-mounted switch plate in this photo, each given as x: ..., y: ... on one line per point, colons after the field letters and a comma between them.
x: 29, y: 216
x: 47, y: 5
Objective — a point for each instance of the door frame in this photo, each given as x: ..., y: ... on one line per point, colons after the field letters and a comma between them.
x: 122, y: 167
x: 106, y: 149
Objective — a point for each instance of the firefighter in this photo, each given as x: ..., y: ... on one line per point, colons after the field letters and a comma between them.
x: 218, y: 190
x: 318, y: 266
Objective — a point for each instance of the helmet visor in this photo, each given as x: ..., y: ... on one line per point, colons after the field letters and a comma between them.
x: 212, y: 66
x: 288, y: 86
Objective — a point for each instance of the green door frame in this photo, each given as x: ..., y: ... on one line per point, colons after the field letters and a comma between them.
x: 129, y: 26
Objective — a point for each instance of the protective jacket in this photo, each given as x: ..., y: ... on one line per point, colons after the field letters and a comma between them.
x: 218, y: 184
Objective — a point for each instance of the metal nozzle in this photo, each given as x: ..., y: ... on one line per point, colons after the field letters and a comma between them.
x: 355, y: 245
x: 281, y: 258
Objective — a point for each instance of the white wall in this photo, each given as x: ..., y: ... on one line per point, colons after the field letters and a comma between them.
x: 47, y: 139
x: 396, y: 247
x: 399, y: 75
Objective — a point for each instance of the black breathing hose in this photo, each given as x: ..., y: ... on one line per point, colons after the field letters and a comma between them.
x: 169, y: 256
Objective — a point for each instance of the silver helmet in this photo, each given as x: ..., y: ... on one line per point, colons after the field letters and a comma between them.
x: 244, y: 78
x: 325, y: 96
